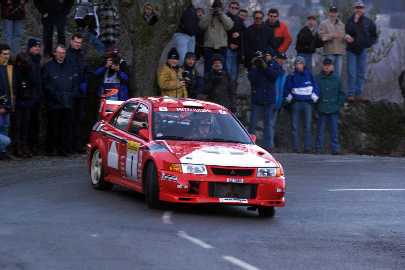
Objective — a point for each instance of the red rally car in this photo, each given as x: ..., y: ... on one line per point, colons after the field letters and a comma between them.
x: 183, y: 151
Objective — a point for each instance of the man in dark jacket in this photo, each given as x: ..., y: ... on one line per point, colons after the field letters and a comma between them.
x: 59, y: 79
x: 185, y: 36
x: 235, y: 38
x: 361, y: 34
x: 13, y: 15
x: 194, y: 82
x: 262, y: 77
x: 218, y: 87
x: 308, y: 41
x: 302, y: 92
x: 6, y: 98
x: 331, y: 99
x: 257, y: 37
x: 75, y: 57
x: 54, y: 15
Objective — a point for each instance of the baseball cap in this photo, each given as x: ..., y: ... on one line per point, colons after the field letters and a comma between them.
x: 327, y: 61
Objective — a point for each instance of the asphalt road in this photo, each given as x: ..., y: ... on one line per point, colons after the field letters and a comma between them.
x: 344, y: 212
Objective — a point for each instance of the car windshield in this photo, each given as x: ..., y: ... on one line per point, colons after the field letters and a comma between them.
x: 198, y: 126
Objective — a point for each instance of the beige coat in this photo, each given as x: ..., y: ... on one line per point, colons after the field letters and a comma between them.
x: 216, y: 28
x: 169, y: 82
x: 332, y: 45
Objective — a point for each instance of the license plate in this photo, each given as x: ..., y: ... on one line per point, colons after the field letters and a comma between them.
x: 232, y: 200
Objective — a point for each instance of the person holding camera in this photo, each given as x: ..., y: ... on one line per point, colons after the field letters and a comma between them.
x: 194, y: 82
x: 170, y: 77
x: 218, y: 86
x: 262, y: 77
x: 13, y: 15
x: 112, y: 76
x: 216, y: 25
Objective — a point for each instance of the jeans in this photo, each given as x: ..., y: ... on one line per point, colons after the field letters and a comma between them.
x: 337, y: 63
x: 4, y: 142
x: 49, y: 24
x: 268, y: 111
x: 333, y: 121
x: 308, y: 60
x: 208, y: 53
x: 184, y: 44
x: 356, y: 69
x: 232, y: 64
x: 96, y: 42
x: 12, y: 30
x: 297, y: 109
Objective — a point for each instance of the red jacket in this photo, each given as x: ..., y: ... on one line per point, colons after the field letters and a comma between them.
x: 13, y: 9
x: 282, y: 36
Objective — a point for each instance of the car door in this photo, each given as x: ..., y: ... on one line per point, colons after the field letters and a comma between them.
x: 139, y: 133
x: 116, y: 137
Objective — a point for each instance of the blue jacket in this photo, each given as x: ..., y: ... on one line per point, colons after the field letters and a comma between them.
x: 301, y: 86
x: 263, y: 83
x: 280, y: 83
x: 122, y: 86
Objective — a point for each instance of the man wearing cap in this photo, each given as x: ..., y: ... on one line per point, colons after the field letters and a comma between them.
x: 170, y: 77
x: 262, y: 77
x: 302, y: 92
x: 332, y: 32
x: 194, y: 81
x: 331, y: 99
x: 361, y: 34
x: 308, y: 41
x: 218, y: 86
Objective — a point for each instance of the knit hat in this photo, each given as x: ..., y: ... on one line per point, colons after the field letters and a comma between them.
x: 299, y: 60
x: 270, y: 51
x: 359, y: 4
x: 190, y: 55
x: 173, y: 54
x: 282, y: 56
x: 327, y: 61
x: 32, y: 42
x: 217, y: 57
x: 333, y: 9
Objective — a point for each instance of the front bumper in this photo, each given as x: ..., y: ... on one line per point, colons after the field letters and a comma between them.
x: 250, y: 191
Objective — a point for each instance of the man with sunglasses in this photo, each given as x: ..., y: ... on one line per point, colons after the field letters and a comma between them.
x: 361, y: 34
x: 282, y: 38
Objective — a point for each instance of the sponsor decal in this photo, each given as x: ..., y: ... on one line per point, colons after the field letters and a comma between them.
x: 232, y: 200
x: 192, y: 110
x: 133, y: 146
x: 168, y: 177
x: 163, y: 109
x: 182, y: 186
x: 131, y: 163
x: 235, y: 180
x: 112, y: 158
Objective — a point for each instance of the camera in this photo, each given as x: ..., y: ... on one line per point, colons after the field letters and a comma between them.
x: 217, y: 6
x: 3, y: 101
x: 259, y: 60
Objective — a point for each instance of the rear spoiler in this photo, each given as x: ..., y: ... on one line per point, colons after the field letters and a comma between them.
x: 108, y: 107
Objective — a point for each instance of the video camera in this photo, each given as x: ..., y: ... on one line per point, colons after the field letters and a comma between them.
x: 259, y: 60
x: 3, y: 101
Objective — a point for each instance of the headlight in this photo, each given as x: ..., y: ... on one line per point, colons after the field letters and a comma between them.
x: 267, y: 172
x: 194, y: 169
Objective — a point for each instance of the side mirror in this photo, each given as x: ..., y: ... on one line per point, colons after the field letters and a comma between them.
x: 144, y: 134
x: 253, y: 137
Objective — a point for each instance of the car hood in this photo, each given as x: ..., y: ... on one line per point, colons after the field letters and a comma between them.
x: 221, y: 154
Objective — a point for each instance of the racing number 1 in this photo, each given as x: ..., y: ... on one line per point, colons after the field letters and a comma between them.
x: 131, y: 164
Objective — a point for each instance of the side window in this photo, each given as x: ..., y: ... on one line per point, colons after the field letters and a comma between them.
x: 121, y: 120
x: 140, y: 119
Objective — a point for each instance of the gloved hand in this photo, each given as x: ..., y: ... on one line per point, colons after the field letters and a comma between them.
x: 289, y: 98
x: 314, y: 97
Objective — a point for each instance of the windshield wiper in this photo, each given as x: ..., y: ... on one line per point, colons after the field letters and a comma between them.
x: 176, y: 138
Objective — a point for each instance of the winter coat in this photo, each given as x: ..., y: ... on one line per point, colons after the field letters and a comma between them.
x: 364, y: 34
x: 281, y: 36
x: 169, y: 82
x: 121, y: 83
x: 7, y: 89
x: 76, y: 58
x: 280, y: 83
x: 333, y: 45
x: 13, y: 10
x: 58, y: 80
x: 28, y: 86
x: 256, y: 38
x: 189, y: 22
x: 238, y: 27
x: 262, y: 80
x: 53, y: 9
x: 219, y: 88
x: 301, y: 86
x: 216, y: 28
x: 194, y: 82
x: 109, y: 23
x: 307, y: 41
x: 331, y: 96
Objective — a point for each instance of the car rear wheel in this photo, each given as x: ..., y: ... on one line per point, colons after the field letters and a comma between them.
x: 97, y: 172
x: 267, y: 212
x: 152, y: 186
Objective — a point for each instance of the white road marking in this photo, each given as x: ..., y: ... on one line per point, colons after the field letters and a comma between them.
x: 95, y: 235
x: 366, y: 189
x: 239, y: 263
x: 167, y: 217
x: 194, y: 240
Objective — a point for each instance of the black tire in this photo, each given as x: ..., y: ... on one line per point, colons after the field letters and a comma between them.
x: 152, y: 187
x: 267, y: 212
x: 97, y: 172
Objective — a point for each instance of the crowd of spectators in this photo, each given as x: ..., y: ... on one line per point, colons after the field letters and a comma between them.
x: 56, y: 77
